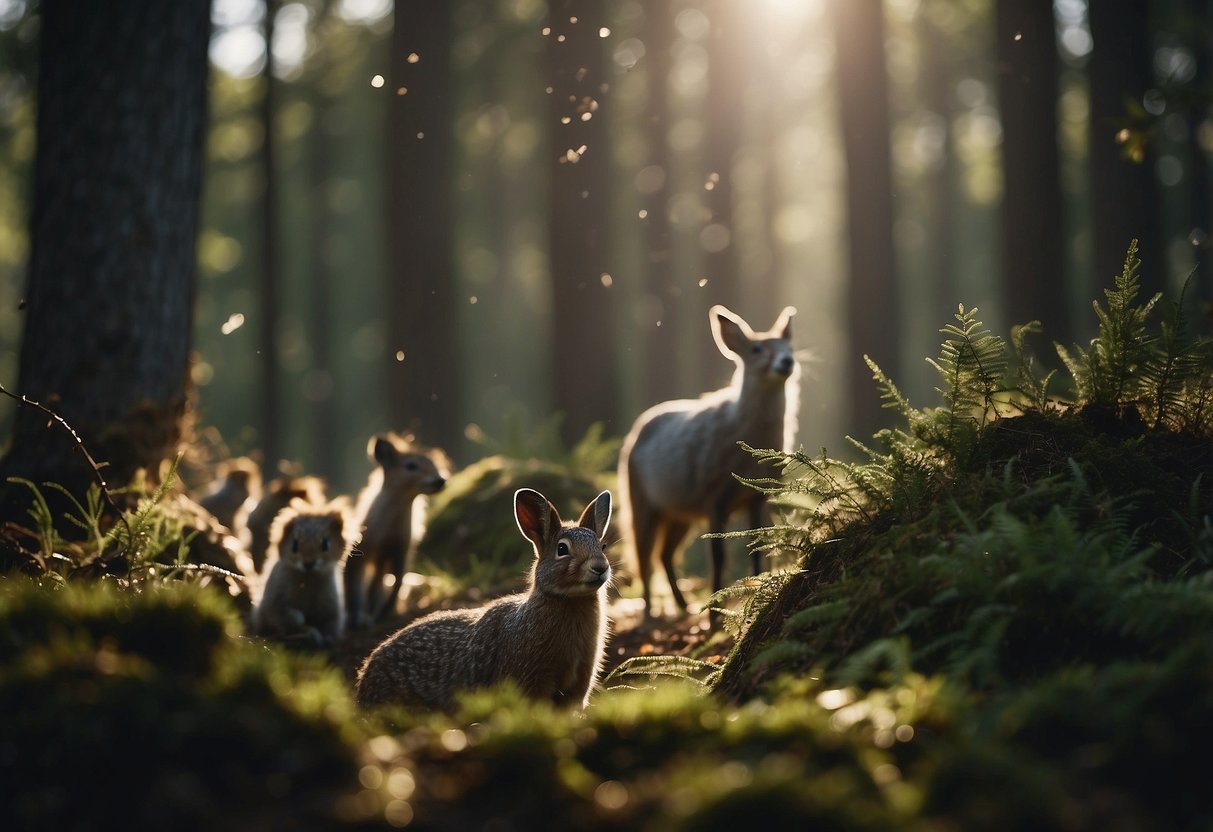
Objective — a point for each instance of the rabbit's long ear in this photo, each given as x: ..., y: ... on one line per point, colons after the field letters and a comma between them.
x: 597, y: 515
x: 536, y: 517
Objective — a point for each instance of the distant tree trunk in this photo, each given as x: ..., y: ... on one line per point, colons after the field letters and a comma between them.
x: 728, y: 62
x: 586, y: 375
x: 1124, y: 193
x: 320, y: 393
x: 872, y: 288
x: 1198, y: 161
x: 121, y: 119
x: 661, y: 283
x: 938, y: 85
x: 269, y: 427
x: 421, y: 372
x: 1033, y: 256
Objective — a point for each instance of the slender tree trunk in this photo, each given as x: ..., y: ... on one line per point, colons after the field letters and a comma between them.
x: 728, y: 62
x: 1124, y: 193
x: 872, y: 312
x: 121, y: 118
x: 1198, y: 159
x: 662, y: 285
x: 269, y: 428
x: 422, y: 385
x: 1034, y: 277
x: 938, y: 85
x: 321, y: 393
x: 586, y: 375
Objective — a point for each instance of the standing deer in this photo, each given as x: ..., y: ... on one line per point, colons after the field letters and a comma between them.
x: 678, y: 462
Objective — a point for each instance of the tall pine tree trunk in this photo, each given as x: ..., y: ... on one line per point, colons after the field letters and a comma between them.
x: 422, y: 388
x: 1124, y: 193
x: 1034, y: 277
x: 728, y: 64
x: 872, y: 303
x: 269, y: 413
x: 121, y: 119
x: 586, y: 375
x: 660, y: 280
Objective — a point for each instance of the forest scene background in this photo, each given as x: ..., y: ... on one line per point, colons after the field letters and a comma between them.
x: 719, y: 176
x: 277, y: 228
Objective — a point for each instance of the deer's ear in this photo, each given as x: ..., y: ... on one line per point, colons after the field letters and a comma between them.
x: 536, y: 517
x: 783, y: 326
x: 731, y: 333
x: 381, y: 449
x: 597, y: 515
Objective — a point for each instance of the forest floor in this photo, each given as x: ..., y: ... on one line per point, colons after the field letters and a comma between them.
x: 632, y: 634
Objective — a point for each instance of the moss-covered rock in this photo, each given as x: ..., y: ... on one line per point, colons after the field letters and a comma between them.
x: 151, y: 710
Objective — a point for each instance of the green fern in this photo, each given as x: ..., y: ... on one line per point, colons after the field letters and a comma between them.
x: 972, y: 363
x: 1108, y: 374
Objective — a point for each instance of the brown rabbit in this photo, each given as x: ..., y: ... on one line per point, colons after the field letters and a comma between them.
x: 549, y: 640
x: 389, y: 514
x: 302, y: 596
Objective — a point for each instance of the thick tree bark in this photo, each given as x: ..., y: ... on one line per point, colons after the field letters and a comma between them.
x: 1034, y: 278
x: 121, y: 118
x: 872, y: 302
x: 1124, y: 193
x: 421, y: 359
x: 585, y: 367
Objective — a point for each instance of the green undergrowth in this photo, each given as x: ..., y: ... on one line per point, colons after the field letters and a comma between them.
x: 470, y: 530
x: 126, y: 709
x: 1000, y: 620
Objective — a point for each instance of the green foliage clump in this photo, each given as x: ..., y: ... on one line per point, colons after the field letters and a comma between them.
x: 662, y: 759
x: 1049, y: 559
x: 149, y: 710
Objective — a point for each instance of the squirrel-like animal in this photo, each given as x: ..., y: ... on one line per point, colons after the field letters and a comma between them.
x: 390, y: 517
x: 679, y: 461
x: 234, y: 493
x: 302, y: 597
x: 280, y: 493
x: 549, y: 640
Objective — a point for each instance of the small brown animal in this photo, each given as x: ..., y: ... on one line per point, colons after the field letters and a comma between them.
x: 678, y: 462
x: 302, y: 597
x: 389, y: 515
x: 234, y: 493
x: 549, y: 639
x: 278, y: 495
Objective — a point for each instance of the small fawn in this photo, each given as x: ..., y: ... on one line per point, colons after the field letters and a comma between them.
x: 391, y: 519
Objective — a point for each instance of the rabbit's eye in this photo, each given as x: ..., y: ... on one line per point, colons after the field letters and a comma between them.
x: 411, y: 465
x: 562, y: 549
x: 324, y: 544
x: 295, y: 545
x: 757, y: 348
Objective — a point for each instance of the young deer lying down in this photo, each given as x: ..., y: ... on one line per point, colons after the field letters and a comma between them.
x: 678, y: 462
x: 549, y: 639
